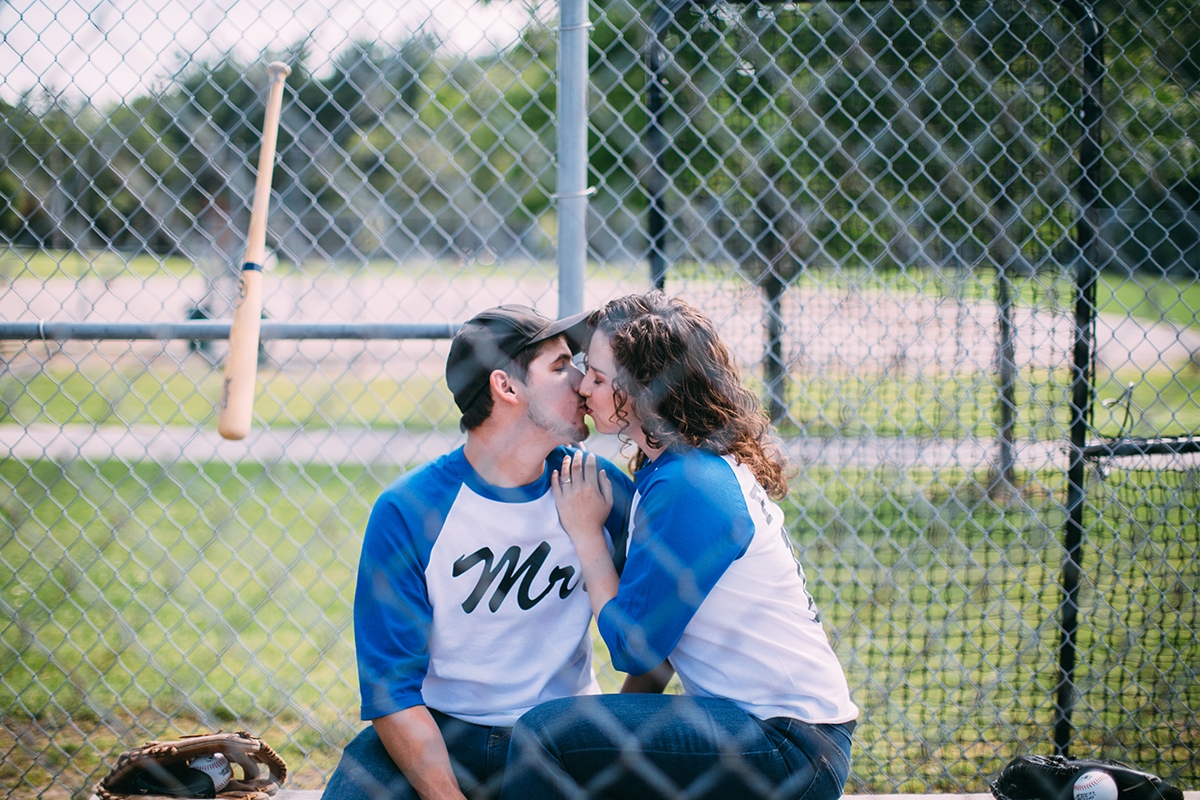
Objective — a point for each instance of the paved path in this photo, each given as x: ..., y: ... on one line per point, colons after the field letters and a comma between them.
x: 828, y: 327
x: 169, y: 444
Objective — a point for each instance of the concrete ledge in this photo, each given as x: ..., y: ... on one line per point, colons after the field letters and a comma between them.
x: 315, y: 794
x: 984, y: 796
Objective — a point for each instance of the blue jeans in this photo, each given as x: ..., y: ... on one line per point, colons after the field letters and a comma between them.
x: 367, y: 772
x: 633, y: 746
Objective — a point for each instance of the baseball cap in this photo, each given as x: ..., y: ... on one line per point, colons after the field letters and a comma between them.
x: 491, y: 339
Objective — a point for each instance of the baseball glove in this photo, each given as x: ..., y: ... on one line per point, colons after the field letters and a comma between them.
x: 164, y: 769
x: 1053, y: 778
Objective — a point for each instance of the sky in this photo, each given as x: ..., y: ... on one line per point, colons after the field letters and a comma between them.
x: 113, y: 49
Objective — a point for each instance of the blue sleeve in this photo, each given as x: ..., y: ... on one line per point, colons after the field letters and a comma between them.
x: 617, y: 524
x: 691, y: 523
x: 392, y: 613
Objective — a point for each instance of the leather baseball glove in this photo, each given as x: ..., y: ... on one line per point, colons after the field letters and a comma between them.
x: 164, y: 769
x: 1053, y: 778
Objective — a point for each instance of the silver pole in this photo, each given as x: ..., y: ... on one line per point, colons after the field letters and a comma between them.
x: 572, y: 154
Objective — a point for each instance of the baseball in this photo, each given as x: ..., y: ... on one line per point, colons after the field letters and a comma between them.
x: 217, y: 767
x: 1095, y: 785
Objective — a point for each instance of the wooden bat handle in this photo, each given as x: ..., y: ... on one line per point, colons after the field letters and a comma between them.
x: 241, y: 363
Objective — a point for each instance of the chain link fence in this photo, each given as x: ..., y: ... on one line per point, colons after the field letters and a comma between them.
x: 890, y: 209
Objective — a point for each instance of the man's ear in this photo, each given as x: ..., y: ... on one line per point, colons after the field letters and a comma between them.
x: 503, y: 387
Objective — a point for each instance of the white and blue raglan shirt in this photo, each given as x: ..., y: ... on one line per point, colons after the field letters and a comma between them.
x: 470, y: 598
x: 710, y: 581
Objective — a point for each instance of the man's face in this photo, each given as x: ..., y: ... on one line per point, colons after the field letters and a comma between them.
x: 552, y: 393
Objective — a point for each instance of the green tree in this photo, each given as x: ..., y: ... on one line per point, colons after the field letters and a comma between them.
x: 884, y: 135
x: 1152, y: 126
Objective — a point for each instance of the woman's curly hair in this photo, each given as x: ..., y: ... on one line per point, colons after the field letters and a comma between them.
x: 684, y: 385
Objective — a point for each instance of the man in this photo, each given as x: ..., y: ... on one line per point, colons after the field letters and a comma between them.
x: 469, y: 608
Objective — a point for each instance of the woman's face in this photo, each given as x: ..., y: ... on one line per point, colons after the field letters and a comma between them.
x: 597, y: 388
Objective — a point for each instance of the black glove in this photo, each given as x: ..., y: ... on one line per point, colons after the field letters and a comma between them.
x: 1053, y: 778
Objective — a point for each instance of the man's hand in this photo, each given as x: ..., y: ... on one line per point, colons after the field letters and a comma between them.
x: 653, y: 682
x: 414, y: 741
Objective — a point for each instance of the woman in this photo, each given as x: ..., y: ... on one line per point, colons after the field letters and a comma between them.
x: 710, y: 590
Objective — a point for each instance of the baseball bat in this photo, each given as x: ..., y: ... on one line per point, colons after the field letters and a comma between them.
x: 241, y: 363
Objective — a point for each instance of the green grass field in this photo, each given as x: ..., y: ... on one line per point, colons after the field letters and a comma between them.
x: 161, y: 395
x: 214, y: 596
x: 108, y: 264
x: 149, y: 599
x: 180, y: 595
x: 944, y: 406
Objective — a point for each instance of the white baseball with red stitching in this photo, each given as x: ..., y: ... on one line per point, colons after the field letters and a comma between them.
x: 216, y: 767
x: 1095, y: 785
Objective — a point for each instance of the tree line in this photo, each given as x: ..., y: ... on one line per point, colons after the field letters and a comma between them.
x: 792, y: 136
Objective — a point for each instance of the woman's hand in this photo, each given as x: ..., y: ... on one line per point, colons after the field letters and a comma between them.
x: 583, y: 494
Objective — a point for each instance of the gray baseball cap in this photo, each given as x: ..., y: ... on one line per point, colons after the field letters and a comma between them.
x: 491, y: 340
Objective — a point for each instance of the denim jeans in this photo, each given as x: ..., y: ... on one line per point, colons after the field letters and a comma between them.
x: 367, y: 772
x: 633, y: 746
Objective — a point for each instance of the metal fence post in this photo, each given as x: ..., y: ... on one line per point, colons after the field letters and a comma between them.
x: 572, y: 155
x: 1083, y: 367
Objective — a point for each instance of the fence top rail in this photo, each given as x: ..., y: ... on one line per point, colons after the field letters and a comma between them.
x: 219, y: 329
x: 1165, y: 445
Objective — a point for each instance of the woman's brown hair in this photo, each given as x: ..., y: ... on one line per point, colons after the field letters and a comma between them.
x: 684, y: 385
